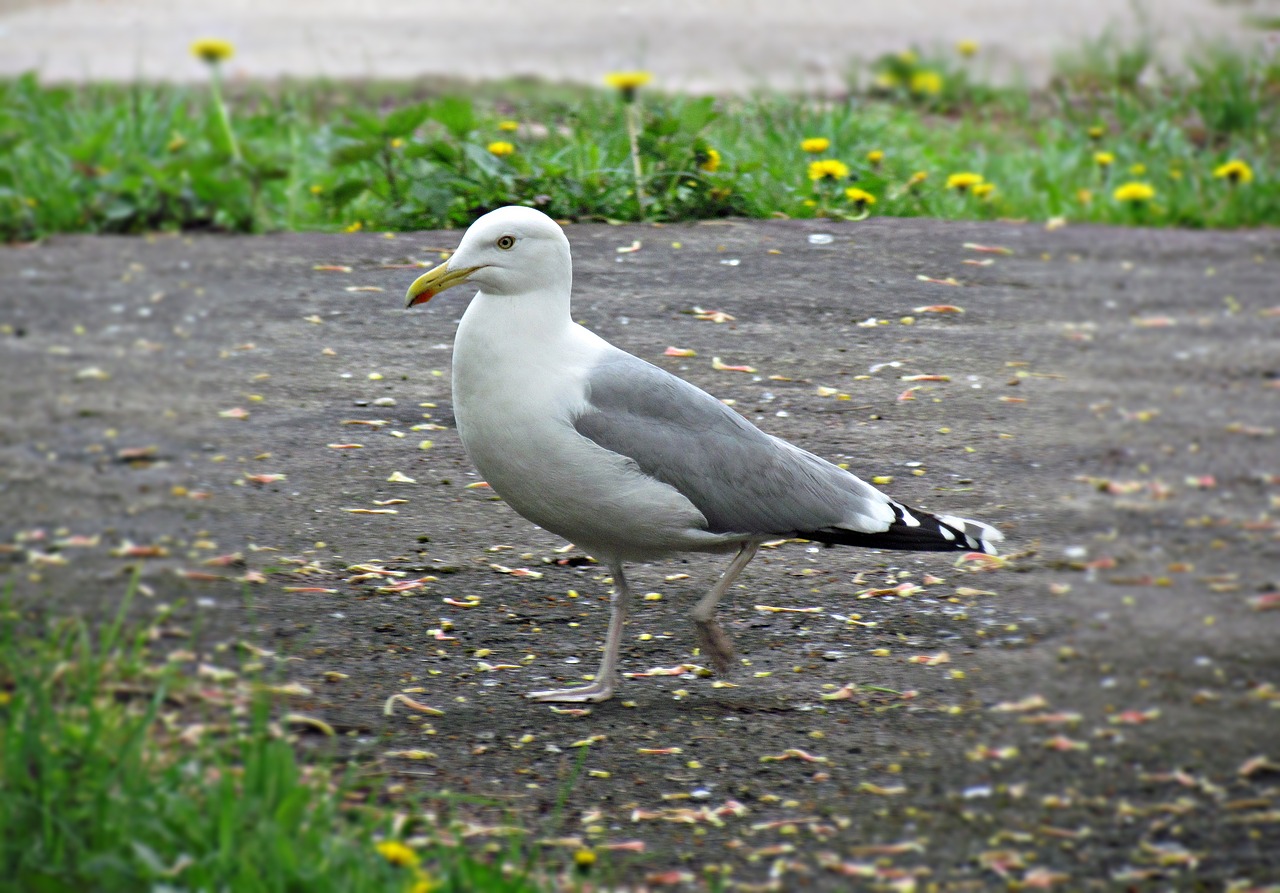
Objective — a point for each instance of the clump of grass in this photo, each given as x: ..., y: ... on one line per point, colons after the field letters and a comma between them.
x: 1107, y: 62
x: 99, y: 159
x: 100, y: 791
x: 1231, y: 97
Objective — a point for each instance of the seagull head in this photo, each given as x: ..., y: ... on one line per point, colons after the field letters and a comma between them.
x: 509, y: 252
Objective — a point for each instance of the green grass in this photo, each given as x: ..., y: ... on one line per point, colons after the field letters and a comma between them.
x: 101, y: 790
x: 395, y: 157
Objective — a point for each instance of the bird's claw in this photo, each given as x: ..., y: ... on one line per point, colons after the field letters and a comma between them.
x: 592, y: 694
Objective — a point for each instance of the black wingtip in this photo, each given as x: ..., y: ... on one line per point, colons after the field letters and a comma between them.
x: 915, y: 531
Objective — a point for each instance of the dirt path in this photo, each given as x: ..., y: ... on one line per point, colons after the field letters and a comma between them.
x: 713, y: 46
x: 1085, y: 713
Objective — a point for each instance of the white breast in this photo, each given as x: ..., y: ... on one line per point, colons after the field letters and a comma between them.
x: 514, y: 413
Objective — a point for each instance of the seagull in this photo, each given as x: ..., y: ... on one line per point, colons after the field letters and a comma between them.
x: 624, y: 459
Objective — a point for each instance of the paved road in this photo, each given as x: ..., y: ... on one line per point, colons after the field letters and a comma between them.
x: 701, y: 45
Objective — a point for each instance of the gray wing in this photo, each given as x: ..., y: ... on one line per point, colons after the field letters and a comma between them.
x: 741, y: 479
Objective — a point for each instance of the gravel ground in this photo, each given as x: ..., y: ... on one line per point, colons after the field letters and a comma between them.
x: 1098, y: 713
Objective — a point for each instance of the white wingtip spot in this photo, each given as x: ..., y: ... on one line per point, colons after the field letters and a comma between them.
x: 907, y: 518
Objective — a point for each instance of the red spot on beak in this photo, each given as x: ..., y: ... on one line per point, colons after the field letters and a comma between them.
x: 422, y: 298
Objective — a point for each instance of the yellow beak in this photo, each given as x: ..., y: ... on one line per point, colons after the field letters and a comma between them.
x: 434, y: 281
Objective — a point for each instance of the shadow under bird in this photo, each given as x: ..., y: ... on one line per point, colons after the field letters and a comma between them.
x: 624, y: 459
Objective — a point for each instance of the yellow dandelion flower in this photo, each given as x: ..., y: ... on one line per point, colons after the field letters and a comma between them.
x: 584, y: 858
x: 917, y: 178
x: 1134, y: 192
x: 212, y: 50
x: 964, y: 180
x: 875, y: 156
x: 354, y: 227
x: 828, y: 169
x: 1084, y: 196
x: 397, y: 142
x: 1138, y: 169
x: 500, y: 148
x: 1097, y: 131
x: 926, y: 83
x: 815, y: 144
x: 967, y: 48
x: 397, y: 853
x: 316, y: 189
x: 1103, y: 159
x: 627, y: 82
x: 983, y: 190
x: 708, y: 160
x: 1234, y: 171
x: 508, y: 126
x: 859, y: 196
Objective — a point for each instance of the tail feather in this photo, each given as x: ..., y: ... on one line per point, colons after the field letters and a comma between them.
x: 916, y: 531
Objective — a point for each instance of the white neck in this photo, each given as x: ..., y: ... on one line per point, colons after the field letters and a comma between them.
x: 525, y: 320
x: 521, y: 346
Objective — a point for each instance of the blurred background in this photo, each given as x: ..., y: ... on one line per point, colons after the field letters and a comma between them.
x: 691, y: 45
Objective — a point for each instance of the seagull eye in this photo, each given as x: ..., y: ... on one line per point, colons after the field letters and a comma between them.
x: 506, y: 243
